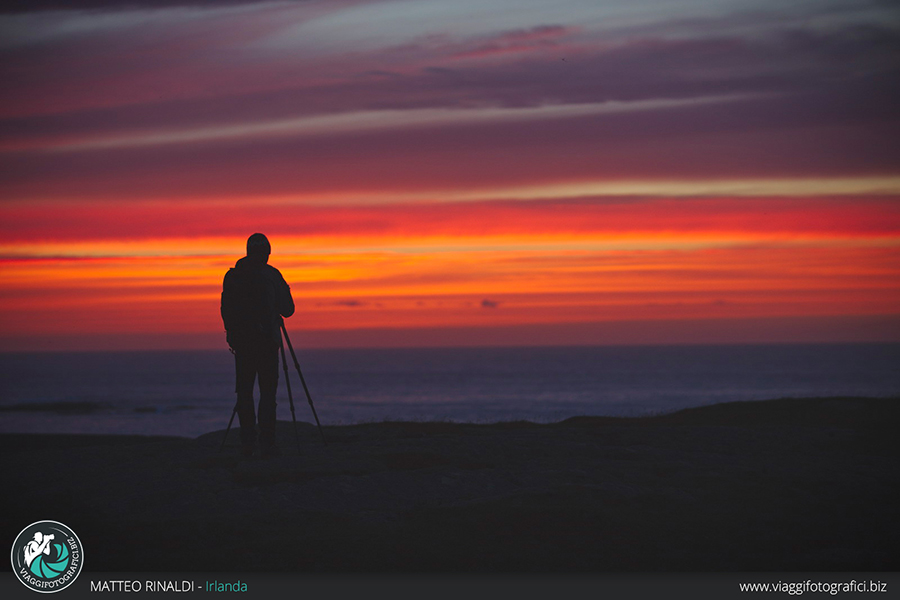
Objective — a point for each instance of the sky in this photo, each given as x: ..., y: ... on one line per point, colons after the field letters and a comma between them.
x: 490, y: 172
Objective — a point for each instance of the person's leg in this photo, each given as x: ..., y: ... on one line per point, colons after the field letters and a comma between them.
x: 245, y: 377
x: 267, y: 369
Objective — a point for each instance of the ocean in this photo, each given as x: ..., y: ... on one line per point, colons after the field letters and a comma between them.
x: 189, y: 393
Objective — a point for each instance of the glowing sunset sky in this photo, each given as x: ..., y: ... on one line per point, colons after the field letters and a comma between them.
x: 465, y: 172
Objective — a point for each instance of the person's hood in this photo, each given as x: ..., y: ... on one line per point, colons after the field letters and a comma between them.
x: 249, y: 263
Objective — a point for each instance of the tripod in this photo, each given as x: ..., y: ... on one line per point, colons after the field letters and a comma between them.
x: 287, y: 381
x: 302, y: 380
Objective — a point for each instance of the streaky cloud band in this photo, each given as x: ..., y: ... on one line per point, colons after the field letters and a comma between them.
x: 374, y: 120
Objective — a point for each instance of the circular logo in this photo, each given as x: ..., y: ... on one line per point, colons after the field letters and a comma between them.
x: 47, y: 556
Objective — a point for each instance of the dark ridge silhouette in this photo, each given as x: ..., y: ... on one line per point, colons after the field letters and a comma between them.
x: 780, y: 485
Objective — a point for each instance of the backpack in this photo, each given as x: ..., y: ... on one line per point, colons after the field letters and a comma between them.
x: 248, y: 307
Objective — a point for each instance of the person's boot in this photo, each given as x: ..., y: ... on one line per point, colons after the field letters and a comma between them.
x: 248, y: 442
x: 267, y: 440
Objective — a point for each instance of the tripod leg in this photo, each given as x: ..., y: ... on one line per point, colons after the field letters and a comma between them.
x: 230, y: 421
x: 287, y: 381
x: 302, y: 380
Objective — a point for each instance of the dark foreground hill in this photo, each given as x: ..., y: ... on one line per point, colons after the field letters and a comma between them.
x: 781, y: 485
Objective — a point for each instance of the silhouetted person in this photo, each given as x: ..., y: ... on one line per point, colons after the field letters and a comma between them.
x: 39, y: 545
x: 254, y: 298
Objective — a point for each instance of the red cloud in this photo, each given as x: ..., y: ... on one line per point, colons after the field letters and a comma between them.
x: 519, y: 41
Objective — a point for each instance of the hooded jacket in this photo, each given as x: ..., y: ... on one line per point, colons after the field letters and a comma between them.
x: 254, y: 298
